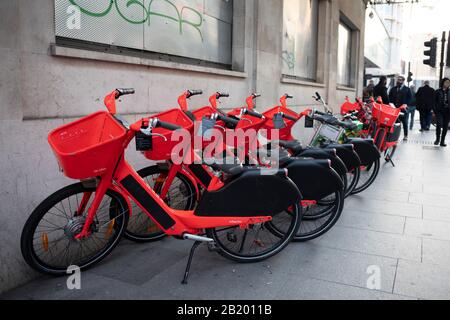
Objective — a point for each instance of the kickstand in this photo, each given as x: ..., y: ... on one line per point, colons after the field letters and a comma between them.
x: 392, y: 162
x: 188, y: 266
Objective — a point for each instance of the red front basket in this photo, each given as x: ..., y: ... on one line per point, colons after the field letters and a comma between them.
x: 385, y: 115
x: 88, y: 147
x: 162, y: 148
x: 283, y: 133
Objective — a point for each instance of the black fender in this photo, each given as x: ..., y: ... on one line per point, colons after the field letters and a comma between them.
x: 251, y: 194
x: 347, y: 153
x: 366, y: 150
x: 325, y: 154
x: 314, y: 178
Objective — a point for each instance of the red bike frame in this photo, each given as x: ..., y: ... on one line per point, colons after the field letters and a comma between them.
x: 124, y: 179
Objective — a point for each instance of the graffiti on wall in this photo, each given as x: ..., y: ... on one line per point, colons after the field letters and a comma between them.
x: 198, y: 29
x: 179, y: 13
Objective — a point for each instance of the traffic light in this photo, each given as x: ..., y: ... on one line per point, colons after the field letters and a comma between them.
x: 410, y: 75
x: 432, y: 53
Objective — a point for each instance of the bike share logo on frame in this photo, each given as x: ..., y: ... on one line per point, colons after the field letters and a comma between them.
x: 247, y: 144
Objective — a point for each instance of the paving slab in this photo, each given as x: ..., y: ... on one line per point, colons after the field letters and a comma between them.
x: 313, y: 289
x: 365, y: 220
x: 374, y: 243
x: 422, y: 280
x: 402, y: 209
x: 428, y: 229
x: 436, y: 252
x: 436, y: 213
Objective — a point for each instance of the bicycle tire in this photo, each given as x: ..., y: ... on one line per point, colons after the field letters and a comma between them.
x: 329, y: 223
x: 370, y: 181
x: 119, y: 223
x: 353, y: 182
x: 285, y: 239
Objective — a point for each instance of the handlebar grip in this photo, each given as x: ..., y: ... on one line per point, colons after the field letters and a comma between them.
x: 320, y: 113
x: 168, y: 126
x: 254, y: 114
x: 191, y: 93
x: 318, y: 96
x: 288, y: 117
x: 288, y: 96
x: 228, y: 120
x: 256, y: 95
x: 223, y: 95
x: 124, y: 91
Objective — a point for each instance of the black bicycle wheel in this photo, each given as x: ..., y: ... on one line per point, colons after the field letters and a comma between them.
x: 353, y: 179
x: 48, y: 241
x: 367, y: 177
x: 181, y: 196
x: 314, y: 225
x: 259, y: 242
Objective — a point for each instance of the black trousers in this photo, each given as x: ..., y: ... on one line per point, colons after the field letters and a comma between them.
x: 425, y: 119
x: 442, y: 122
x: 405, y: 124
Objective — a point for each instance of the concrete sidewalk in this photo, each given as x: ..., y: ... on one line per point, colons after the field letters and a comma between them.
x: 399, y: 227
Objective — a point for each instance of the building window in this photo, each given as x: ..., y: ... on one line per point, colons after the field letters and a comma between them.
x: 300, y: 32
x: 195, y: 29
x: 345, y: 56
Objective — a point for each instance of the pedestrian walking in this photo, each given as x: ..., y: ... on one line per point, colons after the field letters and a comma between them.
x: 442, y: 112
x: 425, y: 99
x: 380, y: 90
x: 368, y: 91
x: 399, y: 96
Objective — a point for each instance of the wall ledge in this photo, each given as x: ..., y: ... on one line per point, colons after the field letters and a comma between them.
x: 302, y: 82
x: 62, y: 51
x: 344, y: 88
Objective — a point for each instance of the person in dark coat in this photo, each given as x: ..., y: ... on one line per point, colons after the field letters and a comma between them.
x: 442, y: 112
x: 425, y: 103
x: 380, y: 90
x: 400, y: 95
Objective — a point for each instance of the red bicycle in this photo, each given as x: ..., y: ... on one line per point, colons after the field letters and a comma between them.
x: 181, y: 185
x: 82, y: 223
x: 387, y: 129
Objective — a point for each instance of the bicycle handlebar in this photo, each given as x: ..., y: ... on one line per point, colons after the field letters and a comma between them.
x: 253, y: 113
x: 123, y: 92
x: 222, y: 95
x: 227, y: 120
x: 167, y: 125
x: 191, y: 93
x: 288, y: 117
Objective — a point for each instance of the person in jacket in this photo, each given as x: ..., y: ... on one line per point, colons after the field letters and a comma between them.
x: 442, y: 112
x: 425, y: 99
x: 399, y: 96
x: 368, y: 91
x: 380, y: 90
